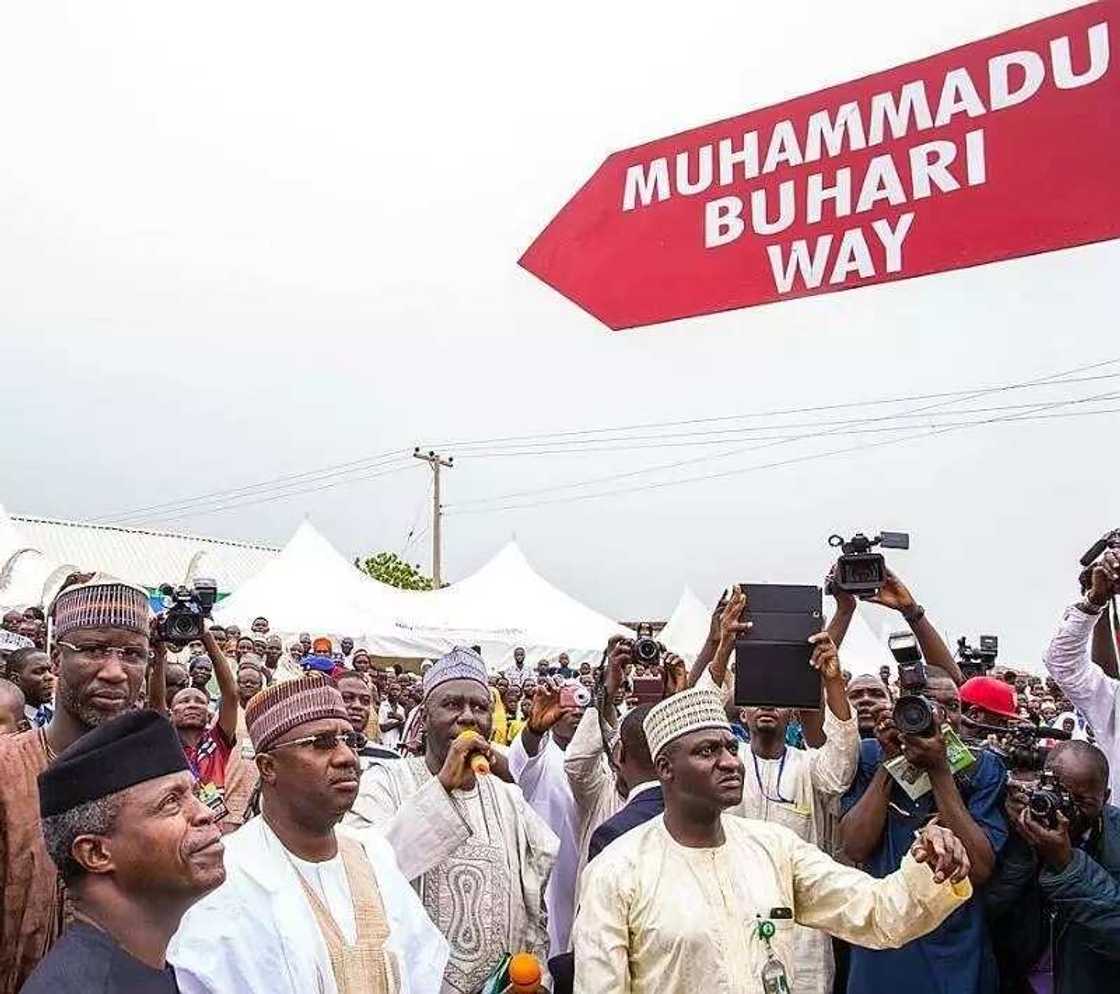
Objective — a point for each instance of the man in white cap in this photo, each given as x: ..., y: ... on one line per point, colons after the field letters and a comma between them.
x: 305, y: 907
x: 699, y: 900
x: 478, y: 855
x: 100, y: 630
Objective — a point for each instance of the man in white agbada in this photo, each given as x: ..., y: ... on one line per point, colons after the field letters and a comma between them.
x: 306, y: 909
x: 794, y: 787
x: 478, y: 855
x: 536, y: 763
x: 675, y: 905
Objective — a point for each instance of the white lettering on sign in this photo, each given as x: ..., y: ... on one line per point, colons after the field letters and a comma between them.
x: 933, y: 167
x: 936, y: 166
x: 853, y: 256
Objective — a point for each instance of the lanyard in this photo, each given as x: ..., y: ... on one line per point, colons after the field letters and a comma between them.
x: 762, y: 790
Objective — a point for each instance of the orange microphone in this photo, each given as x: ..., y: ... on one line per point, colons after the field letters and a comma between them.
x: 524, y: 974
x: 479, y: 763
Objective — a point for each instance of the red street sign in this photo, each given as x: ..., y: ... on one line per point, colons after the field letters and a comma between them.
x: 1001, y: 148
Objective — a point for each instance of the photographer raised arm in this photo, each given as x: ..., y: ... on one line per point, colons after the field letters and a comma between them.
x: 874, y: 799
x: 1089, y: 688
x: 227, y: 686
x: 894, y: 595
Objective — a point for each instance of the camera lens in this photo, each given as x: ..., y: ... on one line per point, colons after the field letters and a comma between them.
x: 914, y: 715
x: 646, y: 650
x: 182, y: 628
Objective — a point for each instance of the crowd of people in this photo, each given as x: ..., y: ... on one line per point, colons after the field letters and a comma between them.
x: 248, y: 813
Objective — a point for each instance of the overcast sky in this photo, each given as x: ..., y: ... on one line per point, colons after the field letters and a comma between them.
x: 241, y: 241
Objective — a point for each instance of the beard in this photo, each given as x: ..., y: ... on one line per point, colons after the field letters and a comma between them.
x: 70, y: 700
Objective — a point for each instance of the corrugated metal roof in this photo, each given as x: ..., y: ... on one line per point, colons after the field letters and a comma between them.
x: 148, y: 558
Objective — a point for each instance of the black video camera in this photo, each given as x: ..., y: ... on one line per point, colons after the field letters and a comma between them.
x: 914, y: 713
x: 977, y: 662
x: 645, y: 648
x: 1048, y: 797
x: 1018, y: 745
x: 860, y: 571
x: 1110, y: 540
x: 184, y: 620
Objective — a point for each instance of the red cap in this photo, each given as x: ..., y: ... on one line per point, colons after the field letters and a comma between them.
x: 992, y: 695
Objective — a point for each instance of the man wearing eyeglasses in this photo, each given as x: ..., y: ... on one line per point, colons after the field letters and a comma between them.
x: 100, y: 653
x: 305, y: 907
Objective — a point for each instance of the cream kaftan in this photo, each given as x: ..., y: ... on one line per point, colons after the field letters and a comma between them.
x: 656, y: 917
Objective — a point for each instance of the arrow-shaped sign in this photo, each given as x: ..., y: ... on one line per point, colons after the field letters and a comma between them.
x: 1004, y: 147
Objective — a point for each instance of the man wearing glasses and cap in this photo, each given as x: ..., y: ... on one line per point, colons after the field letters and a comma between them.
x: 100, y: 650
x: 305, y: 907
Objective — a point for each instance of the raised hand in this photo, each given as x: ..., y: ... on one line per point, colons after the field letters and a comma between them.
x: 893, y: 594
x: 944, y: 853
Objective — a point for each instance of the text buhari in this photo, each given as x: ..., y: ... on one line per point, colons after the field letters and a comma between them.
x: 880, y: 160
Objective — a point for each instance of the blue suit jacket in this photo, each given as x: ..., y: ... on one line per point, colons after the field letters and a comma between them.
x: 648, y: 804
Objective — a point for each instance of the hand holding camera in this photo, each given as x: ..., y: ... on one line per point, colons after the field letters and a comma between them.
x: 893, y: 594
x: 1050, y: 842
x: 547, y: 707
x: 926, y: 752
x: 1105, y: 579
x: 887, y: 734
x: 184, y: 621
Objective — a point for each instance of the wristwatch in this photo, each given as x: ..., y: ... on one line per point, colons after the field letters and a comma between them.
x: 914, y: 615
x: 1086, y: 606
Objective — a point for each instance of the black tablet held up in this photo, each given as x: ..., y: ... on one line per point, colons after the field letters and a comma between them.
x: 772, y: 657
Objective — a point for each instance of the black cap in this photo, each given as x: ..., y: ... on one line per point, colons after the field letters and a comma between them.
x: 137, y: 746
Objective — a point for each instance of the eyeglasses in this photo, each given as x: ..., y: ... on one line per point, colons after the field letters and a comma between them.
x: 323, y: 742
x: 100, y: 653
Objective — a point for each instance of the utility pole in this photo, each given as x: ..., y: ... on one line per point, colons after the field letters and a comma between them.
x: 436, y: 461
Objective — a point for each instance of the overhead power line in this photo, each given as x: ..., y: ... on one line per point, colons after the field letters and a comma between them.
x: 810, y: 457
x: 700, y: 433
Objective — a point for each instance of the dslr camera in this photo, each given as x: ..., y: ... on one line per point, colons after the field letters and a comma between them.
x: 860, y: 571
x: 914, y: 713
x: 1047, y: 798
x: 645, y: 648
x: 977, y: 662
x: 184, y: 620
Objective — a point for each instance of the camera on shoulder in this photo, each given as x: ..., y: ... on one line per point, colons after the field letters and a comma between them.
x: 184, y: 619
x: 860, y: 571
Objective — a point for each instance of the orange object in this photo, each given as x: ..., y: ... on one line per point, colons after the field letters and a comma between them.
x: 479, y: 763
x: 524, y: 973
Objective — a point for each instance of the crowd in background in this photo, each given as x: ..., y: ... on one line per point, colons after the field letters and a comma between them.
x: 578, y: 837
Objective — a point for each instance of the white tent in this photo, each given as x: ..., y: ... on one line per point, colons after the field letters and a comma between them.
x: 506, y: 604
x: 308, y: 587
x: 686, y: 631
x: 311, y: 587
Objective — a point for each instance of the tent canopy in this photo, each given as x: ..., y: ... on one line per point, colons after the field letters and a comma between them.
x: 311, y: 587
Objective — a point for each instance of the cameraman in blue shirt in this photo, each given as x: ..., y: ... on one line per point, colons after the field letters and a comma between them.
x: 878, y: 827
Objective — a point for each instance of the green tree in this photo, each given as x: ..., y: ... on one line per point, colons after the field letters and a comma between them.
x: 389, y: 568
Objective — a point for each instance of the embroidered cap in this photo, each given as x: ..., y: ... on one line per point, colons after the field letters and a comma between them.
x: 100, y: 601
x: 458, y: 664
x: 689, y: 711
x: 283, y: 706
